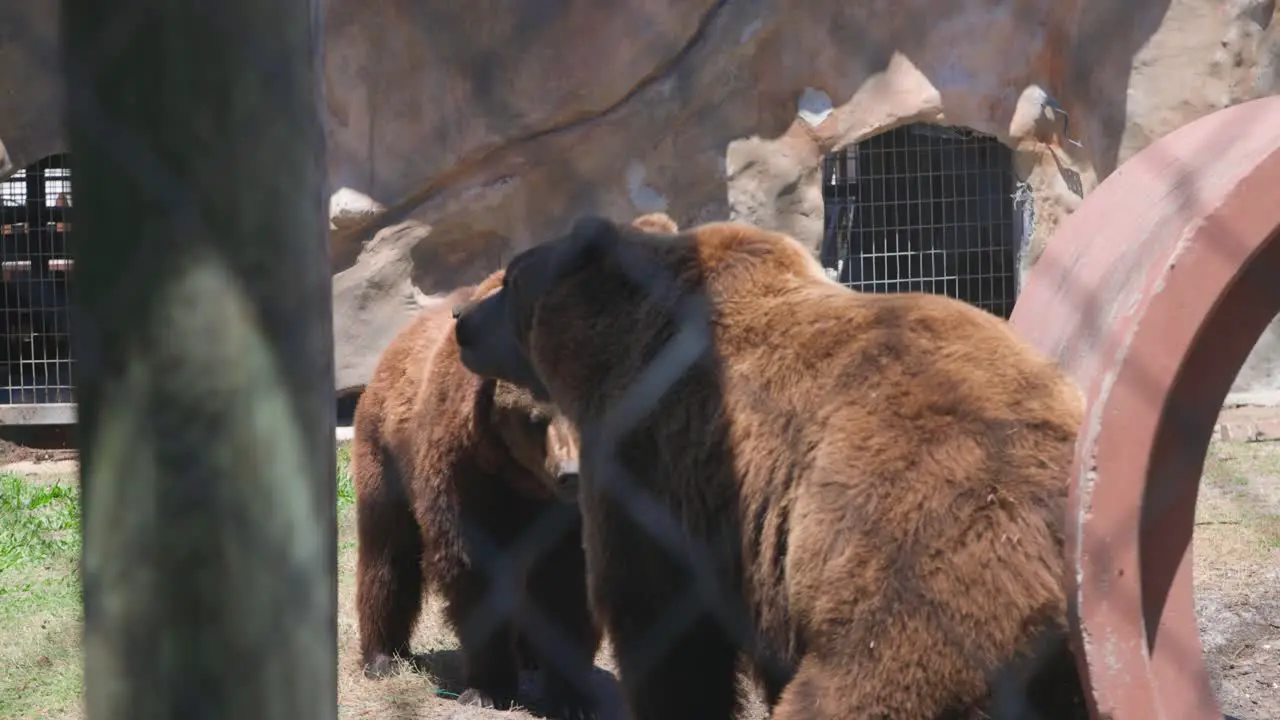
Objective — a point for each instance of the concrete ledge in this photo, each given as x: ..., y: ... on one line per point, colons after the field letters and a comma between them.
x: 52, y: 414
x: 1262, y: 398
x: 1248, y: 431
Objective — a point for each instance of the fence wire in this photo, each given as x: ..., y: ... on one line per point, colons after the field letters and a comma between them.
x: 714, y: 591
x: 711, y: 593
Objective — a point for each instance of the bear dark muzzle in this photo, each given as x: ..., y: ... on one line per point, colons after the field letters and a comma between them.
x: 567, y: 467
x: 567, y: 486
x: 463, y: 332
x: 487, y: 347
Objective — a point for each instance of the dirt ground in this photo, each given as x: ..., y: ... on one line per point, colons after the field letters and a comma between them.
x: 413, y: 695
x: 1237, y: 572
x: 13, y: 453
x: 1237, y: 567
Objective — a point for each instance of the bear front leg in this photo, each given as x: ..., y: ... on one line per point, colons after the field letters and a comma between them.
x: 524, y: 648
x: 490, y: 666
x: 558, y: 591
x: 673, y: 674
x: 675, y: 661
x: 388, y: 562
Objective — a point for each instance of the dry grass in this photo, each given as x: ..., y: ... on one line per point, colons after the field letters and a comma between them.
x: 1237, y: 564
x: 408, y: 694
x: 412, y: 694
x: 1237, y: 571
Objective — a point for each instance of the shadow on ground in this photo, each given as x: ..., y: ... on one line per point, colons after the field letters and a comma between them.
x: 445, y: 668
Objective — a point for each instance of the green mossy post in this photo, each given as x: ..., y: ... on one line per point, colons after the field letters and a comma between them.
x: 204, y: 349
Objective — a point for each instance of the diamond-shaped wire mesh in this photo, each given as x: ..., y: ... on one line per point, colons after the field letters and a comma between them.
x: 907, y: 210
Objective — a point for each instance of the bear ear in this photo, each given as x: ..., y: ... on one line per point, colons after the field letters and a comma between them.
x: 541, y: 266
x: 593, y: 231
x: 589, y: 240
x: 658, y: 223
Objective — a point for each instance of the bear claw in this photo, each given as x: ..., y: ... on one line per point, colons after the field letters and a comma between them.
x: 480, y: 698
x: 574, y: 711
x: 569, y: 705
x: 379, y: 667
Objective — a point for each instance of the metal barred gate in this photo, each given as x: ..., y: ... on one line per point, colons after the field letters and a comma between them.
x: 925, y: 208
x: 35, y: 357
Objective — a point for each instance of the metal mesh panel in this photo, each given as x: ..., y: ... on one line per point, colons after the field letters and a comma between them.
x: 924, y: 208
x: 905, y: 211
x: 35, y: 204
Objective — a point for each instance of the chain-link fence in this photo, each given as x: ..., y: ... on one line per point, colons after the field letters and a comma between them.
x: 205, y: 388
x: 703, y: 482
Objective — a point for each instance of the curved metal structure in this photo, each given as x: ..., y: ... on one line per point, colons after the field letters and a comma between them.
x: 1151, y: 295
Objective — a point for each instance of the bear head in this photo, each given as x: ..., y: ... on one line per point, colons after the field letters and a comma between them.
x: 492, y: 331
x: 536, y: 435
x: 599, y: 302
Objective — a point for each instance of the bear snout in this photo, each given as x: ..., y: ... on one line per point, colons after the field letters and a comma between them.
x: 567, y: 468
x: 473, y: 347
x: 567, y: 480
x: 463, y: 328
x: 488, y: 348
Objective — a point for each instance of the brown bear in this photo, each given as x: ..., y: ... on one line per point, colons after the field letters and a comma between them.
x: 861, y: 494
x: 467, y: 486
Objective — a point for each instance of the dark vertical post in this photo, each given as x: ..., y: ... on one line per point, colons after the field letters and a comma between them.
x: 203, y: 333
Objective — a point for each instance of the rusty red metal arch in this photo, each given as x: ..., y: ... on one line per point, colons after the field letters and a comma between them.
x: 1151, y: 295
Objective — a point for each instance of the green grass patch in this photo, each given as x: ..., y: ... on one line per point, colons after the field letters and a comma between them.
x: 37, y: 522
x: 40, y: 604
x: 39, y: 597
x: 346, y: 487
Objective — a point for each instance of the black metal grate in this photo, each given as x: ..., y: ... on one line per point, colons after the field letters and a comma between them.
x: 924, y: 208
x: 35, y: 205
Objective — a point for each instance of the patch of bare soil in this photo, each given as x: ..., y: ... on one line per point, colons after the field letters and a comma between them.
x: 11, y: 453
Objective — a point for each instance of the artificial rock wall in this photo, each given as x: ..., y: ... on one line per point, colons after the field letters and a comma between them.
x: 460, y: 133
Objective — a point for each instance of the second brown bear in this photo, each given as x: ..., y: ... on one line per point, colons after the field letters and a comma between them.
x: 467, y: 487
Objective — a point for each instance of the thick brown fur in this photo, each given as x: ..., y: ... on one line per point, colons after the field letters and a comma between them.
x: 456, y: 478
x: 873, y: 483
x: 656, y: 222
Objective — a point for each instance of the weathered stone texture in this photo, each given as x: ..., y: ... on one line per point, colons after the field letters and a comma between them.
x: 487, y: 125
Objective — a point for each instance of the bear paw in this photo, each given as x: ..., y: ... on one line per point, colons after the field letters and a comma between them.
x: 573, y: 710
x: 379, y: 666
x: 480, y: 698
x: 567, y: 703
